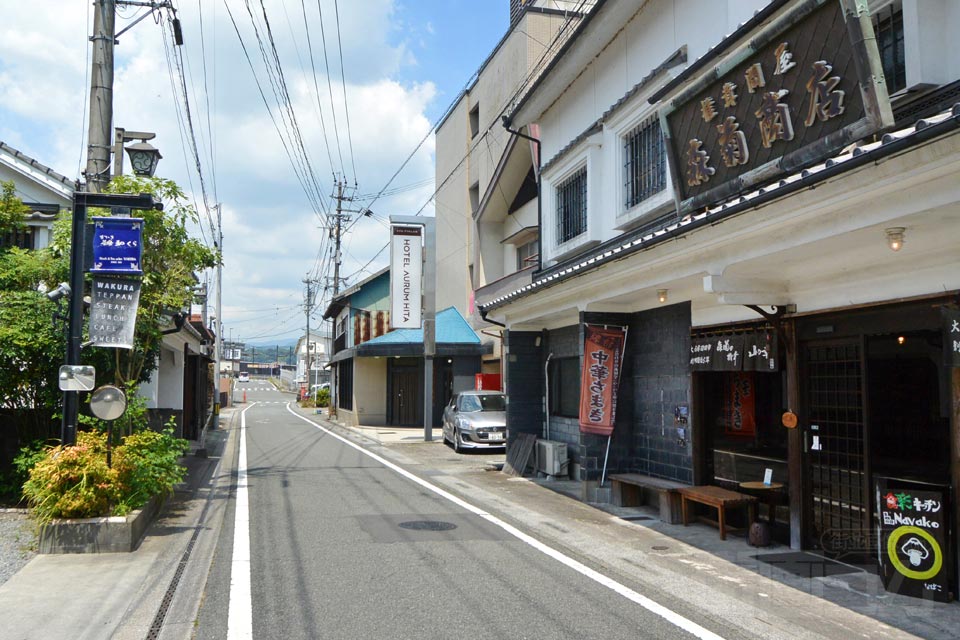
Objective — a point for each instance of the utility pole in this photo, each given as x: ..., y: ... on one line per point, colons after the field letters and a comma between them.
x: 219, y: 327
x: 309, y: 307
x: 337, y: 226
x: 101, y: 96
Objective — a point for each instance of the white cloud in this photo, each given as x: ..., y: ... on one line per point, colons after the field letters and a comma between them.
x: 271, y: 235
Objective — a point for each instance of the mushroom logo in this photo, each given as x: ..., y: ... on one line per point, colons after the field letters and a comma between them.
x: 915, y: 550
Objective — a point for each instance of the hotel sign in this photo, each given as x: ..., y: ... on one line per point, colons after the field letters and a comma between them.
x: 800, y: 87
x: 406, y: 276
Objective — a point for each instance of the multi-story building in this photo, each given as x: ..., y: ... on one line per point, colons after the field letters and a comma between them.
x: 765, y: 195
x: 486, y: 197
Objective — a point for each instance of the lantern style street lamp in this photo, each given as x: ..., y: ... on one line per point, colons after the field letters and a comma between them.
x: 143, y: 156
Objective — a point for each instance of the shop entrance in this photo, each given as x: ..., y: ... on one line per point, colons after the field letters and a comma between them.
x: 835, y: 446
x: 405, y: 402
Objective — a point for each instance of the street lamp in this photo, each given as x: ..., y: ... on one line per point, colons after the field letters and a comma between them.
x: 143, y: 156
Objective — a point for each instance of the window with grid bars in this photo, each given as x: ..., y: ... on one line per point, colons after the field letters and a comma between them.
x: 644, y: 163
x: 889, y: 26
x: 572, y: 206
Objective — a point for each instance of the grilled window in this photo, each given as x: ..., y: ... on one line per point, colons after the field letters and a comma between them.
x: 572, y: 206
x: 889, y: 27
x: 644, y: 164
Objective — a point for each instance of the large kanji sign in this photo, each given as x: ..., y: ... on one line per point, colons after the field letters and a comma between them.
x: 801, y: 87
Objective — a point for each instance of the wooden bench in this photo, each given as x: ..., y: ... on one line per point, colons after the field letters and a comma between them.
x: 628, y: 491
x: 718, y: 498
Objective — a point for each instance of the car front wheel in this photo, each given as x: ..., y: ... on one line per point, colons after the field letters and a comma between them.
x: 456, y: 441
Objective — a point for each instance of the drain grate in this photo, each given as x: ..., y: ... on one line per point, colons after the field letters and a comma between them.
x: 428, y: 525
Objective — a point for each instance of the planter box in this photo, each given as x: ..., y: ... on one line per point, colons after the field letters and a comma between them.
x: 99, y: 535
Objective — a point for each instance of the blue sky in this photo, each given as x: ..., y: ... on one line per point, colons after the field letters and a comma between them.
x: 404, y: 61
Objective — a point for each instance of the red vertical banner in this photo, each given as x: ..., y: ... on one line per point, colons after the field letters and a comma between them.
x: 600, y: 377
x: 740, y: 405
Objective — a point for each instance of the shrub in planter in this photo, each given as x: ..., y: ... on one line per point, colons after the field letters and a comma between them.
x: 73, y: 482
x: 147, y: 465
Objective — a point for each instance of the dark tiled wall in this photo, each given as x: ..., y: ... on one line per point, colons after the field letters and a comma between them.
x: 565, y: 343
x: 594, y: 447
x: 524, y: 382
x: 658, y: 344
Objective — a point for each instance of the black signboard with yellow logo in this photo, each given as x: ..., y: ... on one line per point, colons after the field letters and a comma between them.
x: 801, y: 86
x: 913, y: 530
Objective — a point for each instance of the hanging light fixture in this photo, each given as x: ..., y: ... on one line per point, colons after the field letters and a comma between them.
x: 144, y: 157
x: 662, y: 295
x: 895, y: 238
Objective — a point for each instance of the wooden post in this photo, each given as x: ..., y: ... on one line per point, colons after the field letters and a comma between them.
x: 794, y: 436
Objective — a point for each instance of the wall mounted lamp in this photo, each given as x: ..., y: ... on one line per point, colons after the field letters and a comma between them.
x: 662, y: 295
x: 895, y: 238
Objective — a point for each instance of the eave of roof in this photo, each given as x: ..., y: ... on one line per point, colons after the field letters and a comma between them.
x: 943, y: 123
x: 29, y: 164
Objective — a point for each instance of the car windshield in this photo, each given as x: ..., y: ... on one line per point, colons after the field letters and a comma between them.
x: 487, y: 402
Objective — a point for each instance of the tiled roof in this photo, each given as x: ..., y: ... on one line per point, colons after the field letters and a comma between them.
x: 896, y: 141
x: 21, y: 157
x: 451, y: 328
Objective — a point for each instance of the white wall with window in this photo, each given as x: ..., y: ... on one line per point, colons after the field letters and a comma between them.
x: 918, y: 49
x: 573, y: 203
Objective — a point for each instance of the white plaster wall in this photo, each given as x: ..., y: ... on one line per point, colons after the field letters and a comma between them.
x: 170, y: 393
x: 657, y: 30
x: 370, y: 390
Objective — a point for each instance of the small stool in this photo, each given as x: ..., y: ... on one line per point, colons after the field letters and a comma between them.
x: 759, y: 535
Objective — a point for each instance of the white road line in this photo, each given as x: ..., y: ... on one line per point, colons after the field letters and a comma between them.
x: 240, y: 615
x: 667, y: 614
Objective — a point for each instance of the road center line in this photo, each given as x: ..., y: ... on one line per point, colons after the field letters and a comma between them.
x: 240, y: 613
x: 667, y: 614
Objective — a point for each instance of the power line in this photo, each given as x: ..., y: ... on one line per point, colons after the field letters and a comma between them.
x: 343, y: 81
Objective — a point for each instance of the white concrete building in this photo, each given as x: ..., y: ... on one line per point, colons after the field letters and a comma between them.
x: 486, y: 205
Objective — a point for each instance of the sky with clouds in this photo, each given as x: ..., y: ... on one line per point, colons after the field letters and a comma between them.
x: 403, y: 63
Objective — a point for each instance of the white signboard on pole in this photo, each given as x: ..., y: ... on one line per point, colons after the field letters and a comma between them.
x: 406, y: 271
x: 113, y: 312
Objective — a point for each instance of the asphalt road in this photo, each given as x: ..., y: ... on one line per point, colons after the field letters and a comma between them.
x: 343, y: 545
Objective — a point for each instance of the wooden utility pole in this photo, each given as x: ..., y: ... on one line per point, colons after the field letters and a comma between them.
x: 101, y: 96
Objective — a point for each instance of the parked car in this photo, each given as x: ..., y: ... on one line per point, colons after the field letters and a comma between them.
x: 243, y: 377
x: 475, y: 420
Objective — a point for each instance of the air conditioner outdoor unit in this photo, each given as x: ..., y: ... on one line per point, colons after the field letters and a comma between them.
x: 551, y: 457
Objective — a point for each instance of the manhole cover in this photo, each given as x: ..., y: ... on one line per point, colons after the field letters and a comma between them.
x: 428, y: 525
x: 660, y: 548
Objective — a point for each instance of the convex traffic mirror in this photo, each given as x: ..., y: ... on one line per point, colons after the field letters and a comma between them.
x: 108, y: 402
x: 75, y: 377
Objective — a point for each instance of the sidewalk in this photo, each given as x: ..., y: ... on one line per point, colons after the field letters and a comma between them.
x: 797, y: 587
x: 125, y: 595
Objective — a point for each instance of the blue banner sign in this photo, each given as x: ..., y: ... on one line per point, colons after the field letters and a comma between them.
x: 117, y: 245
